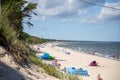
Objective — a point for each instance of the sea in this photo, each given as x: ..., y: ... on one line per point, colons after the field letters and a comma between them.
x: 99, y: 48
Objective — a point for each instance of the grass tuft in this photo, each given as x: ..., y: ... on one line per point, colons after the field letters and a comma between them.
x: 50, y: 70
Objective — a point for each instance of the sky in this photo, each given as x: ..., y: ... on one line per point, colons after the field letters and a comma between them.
x: 76, y: 20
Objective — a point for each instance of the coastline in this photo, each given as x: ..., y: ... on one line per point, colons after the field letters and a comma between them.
x: 111, y: 53
x: 109, y: 68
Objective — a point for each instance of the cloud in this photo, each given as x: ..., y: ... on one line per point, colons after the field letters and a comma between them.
x: 68, y: 9
x: 106, y: 14
x: 89, y: 20
x: 110, y: 14
x: 62, y: 8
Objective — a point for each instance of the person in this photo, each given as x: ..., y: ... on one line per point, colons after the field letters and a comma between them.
x: 93, y: 63
x: 55, y: 63
x: 58, y: 65
x: 113, y: 56
x: 64, y: 70
x: 38, y: 48
x: 55, y: 60
x: 99, y: 77
x: 80, y: 69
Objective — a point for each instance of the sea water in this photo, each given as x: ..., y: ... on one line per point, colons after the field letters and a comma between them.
x: 105, y: 49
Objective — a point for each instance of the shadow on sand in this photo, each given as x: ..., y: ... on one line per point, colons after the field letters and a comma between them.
x: 8, y: 73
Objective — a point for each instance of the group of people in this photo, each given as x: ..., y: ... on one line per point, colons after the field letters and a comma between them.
x: 55, y: 64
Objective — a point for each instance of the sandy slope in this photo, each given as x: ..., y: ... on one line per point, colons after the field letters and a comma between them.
x: 9, y: 70
x: 109, y: 69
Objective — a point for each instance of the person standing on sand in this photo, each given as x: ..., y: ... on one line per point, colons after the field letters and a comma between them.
x: 99, y: 77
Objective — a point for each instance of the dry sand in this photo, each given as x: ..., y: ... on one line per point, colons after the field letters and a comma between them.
x: 109, y: 69
x: 9, y: 70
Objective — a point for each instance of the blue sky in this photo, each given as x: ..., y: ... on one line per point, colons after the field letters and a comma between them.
x: 76, y: 20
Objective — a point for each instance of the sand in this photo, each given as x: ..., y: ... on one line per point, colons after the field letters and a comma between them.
x: 9, y: 70
x: 108, y: 69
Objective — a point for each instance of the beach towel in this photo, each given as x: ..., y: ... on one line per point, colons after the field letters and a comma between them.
x: 82, y: 72
x: 77, y: 71
x: 70, y: 70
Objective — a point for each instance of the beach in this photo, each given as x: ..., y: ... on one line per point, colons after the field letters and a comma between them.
x: 108, y: 68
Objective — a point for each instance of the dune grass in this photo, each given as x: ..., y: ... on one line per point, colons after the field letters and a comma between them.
x: 50, y: 70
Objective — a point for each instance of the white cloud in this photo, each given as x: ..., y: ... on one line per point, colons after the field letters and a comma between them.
x: 106, y: 14
x: 56, y: 8
x: 62, y: 8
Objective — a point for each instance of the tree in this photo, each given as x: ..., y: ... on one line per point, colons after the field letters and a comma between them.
x: 13, y: 12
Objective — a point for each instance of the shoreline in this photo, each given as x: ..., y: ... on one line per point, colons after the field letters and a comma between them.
x: 109, y: 68
x: 83, y: 52
x: 113, y: 57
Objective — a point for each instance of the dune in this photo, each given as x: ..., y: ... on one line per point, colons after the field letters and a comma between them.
x: 9, y: 70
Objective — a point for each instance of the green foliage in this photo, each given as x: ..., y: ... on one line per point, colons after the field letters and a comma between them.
x: 11, y: 27
x: 31, y: 39
x: 27, y: 11
x: 50, y: 70
x: 35, y: 60
x: 15, y: 40
x: 14, y: 11
x: 9, y: 33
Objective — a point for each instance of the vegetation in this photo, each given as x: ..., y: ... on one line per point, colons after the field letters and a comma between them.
x: 52, y: 71
x: 11, y: 29
x: 32, y: 39
x: 15, y: 41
